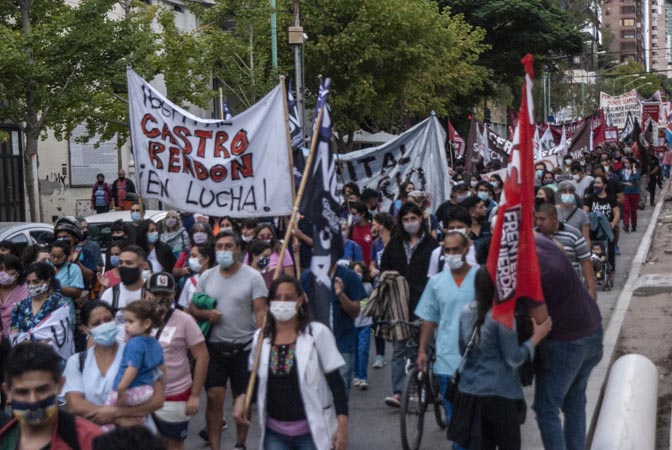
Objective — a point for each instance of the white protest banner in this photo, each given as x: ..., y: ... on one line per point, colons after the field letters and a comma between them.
x: 617, y: 107
x: 417, y: 155
x: 237, y: 168
x: 54, y: 330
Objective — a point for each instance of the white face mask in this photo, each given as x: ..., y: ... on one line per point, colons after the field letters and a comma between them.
x: 37, y: 290
x: 453, y: 262
x: 194, y: 265
x: 576, y: 177
x: 283, y: 311
x: 412, y: 228
x: 247, y: 238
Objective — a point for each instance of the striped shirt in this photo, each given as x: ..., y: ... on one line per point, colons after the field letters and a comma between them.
x: 575, y: 246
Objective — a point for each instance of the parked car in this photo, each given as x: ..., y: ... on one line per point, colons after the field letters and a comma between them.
x: 99, y: 224
x: 24, y: 234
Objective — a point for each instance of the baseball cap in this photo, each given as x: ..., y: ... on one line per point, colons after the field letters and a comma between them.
x: 161, y: 282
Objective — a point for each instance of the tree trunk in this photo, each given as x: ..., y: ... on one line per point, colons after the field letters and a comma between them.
x: 34, y: 198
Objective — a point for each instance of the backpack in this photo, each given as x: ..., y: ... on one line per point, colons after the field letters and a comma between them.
x: 116, y: 293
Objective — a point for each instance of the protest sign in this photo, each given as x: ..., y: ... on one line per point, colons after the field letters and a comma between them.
x: 617, y: 107
x: 417, y: 155
x: 237, y: 167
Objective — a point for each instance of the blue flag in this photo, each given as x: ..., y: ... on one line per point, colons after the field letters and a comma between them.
x: 320, y: 206
x: 226, y: 110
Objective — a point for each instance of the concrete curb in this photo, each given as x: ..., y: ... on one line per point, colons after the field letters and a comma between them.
x: 599, y: 375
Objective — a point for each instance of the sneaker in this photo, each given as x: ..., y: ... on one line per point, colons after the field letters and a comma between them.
x: 363, y: 385
x: 240, y: 447
x: 393, y: 401
x: 356, y: 382
x: 224, y: 424
x: 634, y: 228
x: 203, y: 434
x: 379, y: 362
x: 618, y: 251
x: 626, y: 228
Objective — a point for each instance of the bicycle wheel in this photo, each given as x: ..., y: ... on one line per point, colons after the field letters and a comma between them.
x: 439, y: 410
x: 413, y: 407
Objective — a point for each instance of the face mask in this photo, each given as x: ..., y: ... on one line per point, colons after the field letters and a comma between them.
x: 247, y: 238
x: 482, y: 195
x: 354, y: 219
x: 576, y: 177
x: 626, y: 165
x: 225, y: 259
x: 129, y: 275
x: 547, y: 182
x: 494, y: 184
x: 171, y: 222
x: 539, y: 173
x: 538, y: 201
x: 567, y: 199
x: 263, y: 262
x: 35, y: 414
x: 200, y: 237
x: 105, y: 334
x: 598, y: 190
x: 453, y: 262
x: 283, y: 311
x: 153, y: 237
x: 568, y: 162
x: 473, y: 184
x: 461, y: 197
x: 114, y: 260
x: 605, y: 168
x: 135, y: 216
x: 460, y: 170
x: 7, y: 279
x: 412, y: 227
x: 194, y: 265
x: 230, y: 229
x: 146, y: 274
x: 36, y: 291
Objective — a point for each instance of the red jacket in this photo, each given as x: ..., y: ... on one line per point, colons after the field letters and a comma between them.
x: 66, y: 428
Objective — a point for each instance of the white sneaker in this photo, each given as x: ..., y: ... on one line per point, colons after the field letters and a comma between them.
x: 379, y: 362
x: 363, y: 385
x: 356, y: 382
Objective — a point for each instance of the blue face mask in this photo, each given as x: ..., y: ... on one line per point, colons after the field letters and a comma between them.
x: 567, y: 199
x: 482, y: 195
x: 105, y: 334
x: 153, y: 237
x: 225, y: 259
x: 135, y: 216
x: 114, y: 260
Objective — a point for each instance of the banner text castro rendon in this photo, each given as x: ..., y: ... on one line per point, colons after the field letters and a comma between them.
x: 232, y: 167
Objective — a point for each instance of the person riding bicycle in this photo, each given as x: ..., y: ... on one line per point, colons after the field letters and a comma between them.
x: 439, y: 308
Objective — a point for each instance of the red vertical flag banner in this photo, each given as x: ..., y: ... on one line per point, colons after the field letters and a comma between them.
x: 512, y: 260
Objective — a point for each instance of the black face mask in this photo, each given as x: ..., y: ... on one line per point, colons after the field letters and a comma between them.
x: 129, y: 275
x: 538, y: 201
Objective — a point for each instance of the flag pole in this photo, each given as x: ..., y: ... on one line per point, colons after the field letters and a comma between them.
x: 221, y: 104
x: 292, y: 223
x: 297, y: 255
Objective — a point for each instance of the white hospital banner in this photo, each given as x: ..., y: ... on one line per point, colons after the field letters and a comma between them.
x: 54, y: 330
x: 237, y: 167
x: 617, y: 107
x: 418, y: 155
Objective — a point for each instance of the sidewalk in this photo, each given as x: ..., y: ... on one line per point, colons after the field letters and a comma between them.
x: 613, y: 305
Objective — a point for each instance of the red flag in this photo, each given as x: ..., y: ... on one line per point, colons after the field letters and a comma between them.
x: 456, y: 140
x: 512, y: 260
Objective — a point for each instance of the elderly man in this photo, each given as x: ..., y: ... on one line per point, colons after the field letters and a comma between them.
x: 546, y: 220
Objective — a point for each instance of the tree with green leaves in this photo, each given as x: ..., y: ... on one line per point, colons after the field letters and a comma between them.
x: 390, y: 61
x: 517, y: 27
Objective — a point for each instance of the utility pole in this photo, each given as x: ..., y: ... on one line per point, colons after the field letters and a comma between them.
x: 296, y: 41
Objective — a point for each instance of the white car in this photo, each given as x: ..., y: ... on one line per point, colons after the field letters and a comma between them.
x: 24, y: 234
x: 99, y: 224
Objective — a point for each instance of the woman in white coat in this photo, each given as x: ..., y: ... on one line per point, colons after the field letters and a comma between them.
x: 299, y: 360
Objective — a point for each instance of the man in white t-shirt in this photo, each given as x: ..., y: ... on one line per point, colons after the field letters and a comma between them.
x: 132, y: 261
x: 455, y: 219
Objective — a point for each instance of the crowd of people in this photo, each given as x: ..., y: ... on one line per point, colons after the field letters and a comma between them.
x: 173, y: 309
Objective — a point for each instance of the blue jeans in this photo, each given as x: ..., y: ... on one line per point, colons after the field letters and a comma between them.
x: 277, y: 441
x: 402, y: 350
x: 347, y: 370
x: 443, y: 385
x: 561, y: 385
x: 363, y: 346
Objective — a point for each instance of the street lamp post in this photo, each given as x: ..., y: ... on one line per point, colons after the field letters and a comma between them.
x: 643, y: 84
x: 630, y: 82
x: 613, y: 90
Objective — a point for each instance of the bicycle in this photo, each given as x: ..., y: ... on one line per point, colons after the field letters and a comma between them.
x: 421, y: 389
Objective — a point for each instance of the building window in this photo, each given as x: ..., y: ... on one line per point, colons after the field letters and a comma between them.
x: 627, y: 22
x: 627, y: 10
x: 628, y: 34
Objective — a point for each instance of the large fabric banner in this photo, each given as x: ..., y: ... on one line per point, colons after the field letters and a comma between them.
x: 616, y: 107
x: 54, y: 330
x: 238, y: 168
x: 417, y: 155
